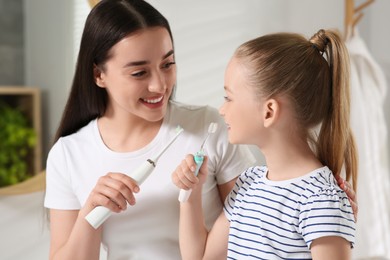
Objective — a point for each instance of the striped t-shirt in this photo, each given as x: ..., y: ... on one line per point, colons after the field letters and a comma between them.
x: 280, y: 219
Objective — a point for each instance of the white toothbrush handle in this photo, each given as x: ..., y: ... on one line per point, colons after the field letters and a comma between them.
x: 97, y: 216
x: 100, y: 214
x: 185, y: 194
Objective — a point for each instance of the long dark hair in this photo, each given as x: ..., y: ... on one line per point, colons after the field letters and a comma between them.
x: 108, y: 22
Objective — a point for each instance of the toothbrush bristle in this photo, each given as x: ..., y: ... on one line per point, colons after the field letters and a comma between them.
x: 212, y: 128
x: 179, y: 129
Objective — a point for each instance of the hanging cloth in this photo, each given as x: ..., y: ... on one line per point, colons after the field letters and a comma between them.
x: 368, y: 92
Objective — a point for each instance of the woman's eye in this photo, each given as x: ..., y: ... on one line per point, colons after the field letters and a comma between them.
x: 226, y: 98
x: 138, y: 73
x: 168, y: 64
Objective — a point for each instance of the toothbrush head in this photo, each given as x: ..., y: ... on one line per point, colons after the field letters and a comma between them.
x: 179, y: 129
x: 212, y: 128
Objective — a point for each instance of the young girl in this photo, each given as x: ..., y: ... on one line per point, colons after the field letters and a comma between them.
x: 290, y: 97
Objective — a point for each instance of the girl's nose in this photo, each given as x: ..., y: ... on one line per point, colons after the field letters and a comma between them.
x: 221, y: 109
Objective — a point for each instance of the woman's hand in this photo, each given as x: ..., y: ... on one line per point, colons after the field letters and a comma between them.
x: 184, y: 175
x: 113, y: 191
x: 347, y: 187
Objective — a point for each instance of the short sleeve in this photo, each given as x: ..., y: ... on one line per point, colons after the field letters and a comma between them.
x: 59, y: 193
x: 242, y: 184
x: 327, y: 213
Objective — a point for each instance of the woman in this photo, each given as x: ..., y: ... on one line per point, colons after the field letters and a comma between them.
x: 118, y: 115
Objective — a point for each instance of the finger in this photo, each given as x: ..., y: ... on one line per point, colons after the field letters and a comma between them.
x: 179, y: 175
x: 126, y: 185
x: 176, y: 180
x: 339, y: 179
x: 103, y: 199
x: 188, y: 168
x: 355, y: 209
x: 130, y: 183
x: 190, y: 161
x: 118, y: 188
x: 187, y: 176
x: 347, y: 187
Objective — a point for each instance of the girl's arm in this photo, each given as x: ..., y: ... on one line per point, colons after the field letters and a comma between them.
x: 332, y: 247
x: 195, y: 240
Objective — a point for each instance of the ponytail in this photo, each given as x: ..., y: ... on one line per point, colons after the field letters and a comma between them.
x: 335, y: 145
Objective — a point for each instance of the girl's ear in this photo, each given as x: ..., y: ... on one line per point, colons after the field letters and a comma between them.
x: 97, y: 75
x: 270, y: 112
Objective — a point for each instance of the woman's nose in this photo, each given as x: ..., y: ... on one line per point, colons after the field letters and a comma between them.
x: 157, y: 84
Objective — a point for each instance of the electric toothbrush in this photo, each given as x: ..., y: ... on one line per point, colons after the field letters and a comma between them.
x: 198, y: 158
x: 100, y: 214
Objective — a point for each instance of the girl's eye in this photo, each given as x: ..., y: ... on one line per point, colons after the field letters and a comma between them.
x: 138, y: 73
x: 226, y: 98
x: 168, y: 64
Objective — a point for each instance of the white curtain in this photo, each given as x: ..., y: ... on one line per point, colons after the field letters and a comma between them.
x: 368, y: 83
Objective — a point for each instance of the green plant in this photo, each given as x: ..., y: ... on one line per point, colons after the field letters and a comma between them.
x: 17, y: 139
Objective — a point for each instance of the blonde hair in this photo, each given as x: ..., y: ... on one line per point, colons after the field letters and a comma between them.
x: 314, y: 75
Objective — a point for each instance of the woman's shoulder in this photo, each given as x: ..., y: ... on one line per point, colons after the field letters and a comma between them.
x: 184, y: 108
x: 84, y: 134
x: 193, y: 116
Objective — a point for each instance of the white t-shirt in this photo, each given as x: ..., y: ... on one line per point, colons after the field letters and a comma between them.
x: 280, y: 219
x: 148, y: 230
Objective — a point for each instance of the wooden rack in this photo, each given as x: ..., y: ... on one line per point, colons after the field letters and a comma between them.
x: 353, y: 15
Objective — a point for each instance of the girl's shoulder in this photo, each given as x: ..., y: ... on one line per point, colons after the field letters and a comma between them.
x: 321, y: 188
x: 252, y: 174
x: 324, y: 209
x: 321, y: 181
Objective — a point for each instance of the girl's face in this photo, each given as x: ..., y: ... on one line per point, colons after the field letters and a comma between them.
x: 241, y: 109
x: 139, y: 75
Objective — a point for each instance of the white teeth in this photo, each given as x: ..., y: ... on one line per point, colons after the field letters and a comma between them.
x: 153, y: 101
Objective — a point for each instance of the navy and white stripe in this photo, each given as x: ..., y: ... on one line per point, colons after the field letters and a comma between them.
x: 279, y: 220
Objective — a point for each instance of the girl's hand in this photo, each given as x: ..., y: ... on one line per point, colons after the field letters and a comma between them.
x: 347, y: 187
x: 113, y: 191
x: 184, y: 175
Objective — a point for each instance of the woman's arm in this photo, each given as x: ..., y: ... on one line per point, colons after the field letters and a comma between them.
x: 224, y: 189
x: 71, y: 237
